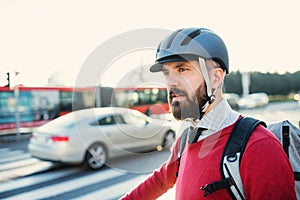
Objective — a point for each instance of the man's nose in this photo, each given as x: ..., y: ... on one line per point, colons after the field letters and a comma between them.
x: 172, y: 80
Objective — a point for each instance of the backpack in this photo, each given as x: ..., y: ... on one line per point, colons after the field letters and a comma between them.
x: 289, y: 136
x: 231, y: 158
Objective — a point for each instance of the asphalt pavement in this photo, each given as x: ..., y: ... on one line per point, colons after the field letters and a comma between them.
x: 14, y: 141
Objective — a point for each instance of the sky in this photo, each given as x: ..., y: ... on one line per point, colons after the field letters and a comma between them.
x: 56, y: 37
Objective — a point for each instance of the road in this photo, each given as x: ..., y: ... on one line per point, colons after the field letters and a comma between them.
x: 275, y: 112
x: 24, y: 177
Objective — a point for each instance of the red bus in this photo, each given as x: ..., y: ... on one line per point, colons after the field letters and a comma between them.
x: 148, y: 100
x: 37, y: 105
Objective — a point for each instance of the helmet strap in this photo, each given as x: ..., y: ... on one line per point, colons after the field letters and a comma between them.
x: 210, y: 93
x: 211, y: 98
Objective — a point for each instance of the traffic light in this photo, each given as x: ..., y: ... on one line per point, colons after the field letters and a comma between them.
x: 8, y: 79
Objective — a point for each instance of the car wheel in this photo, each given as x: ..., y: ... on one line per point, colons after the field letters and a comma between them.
x: 96, y: 156
x: 169, y: 139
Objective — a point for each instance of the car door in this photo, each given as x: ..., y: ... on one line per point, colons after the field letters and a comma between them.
x: 108, y: 131
x: 138, y: 130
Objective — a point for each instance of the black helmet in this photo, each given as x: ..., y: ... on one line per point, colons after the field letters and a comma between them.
x: 189, y: 44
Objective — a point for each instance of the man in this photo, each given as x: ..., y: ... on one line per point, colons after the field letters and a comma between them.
x: 194, y: 62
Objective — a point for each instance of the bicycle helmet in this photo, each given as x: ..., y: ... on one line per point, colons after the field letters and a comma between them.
x: 190, y: 44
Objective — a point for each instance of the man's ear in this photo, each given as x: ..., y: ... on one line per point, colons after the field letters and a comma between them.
x: 217, y: 76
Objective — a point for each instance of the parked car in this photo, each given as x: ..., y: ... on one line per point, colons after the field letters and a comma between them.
x: 92, y: 136
x: 233, y: 100
x: 254, y: 100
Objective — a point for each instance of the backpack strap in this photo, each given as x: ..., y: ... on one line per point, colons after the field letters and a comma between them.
x: 193, y: 134
x: 233, y: 152
x: 297, y: 176
x: 286, y: 139
x: 230, y: 161
x: 285, y: 144
x: 181, y: 149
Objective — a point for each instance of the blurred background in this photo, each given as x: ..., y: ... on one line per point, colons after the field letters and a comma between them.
x: 45, y: 46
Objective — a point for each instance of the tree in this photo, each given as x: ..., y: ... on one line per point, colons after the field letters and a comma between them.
x: 270, y: 83
x: 232, y: 83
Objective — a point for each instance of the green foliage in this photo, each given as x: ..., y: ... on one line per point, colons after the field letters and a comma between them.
x: 270, y: 83
x: 233, y: 82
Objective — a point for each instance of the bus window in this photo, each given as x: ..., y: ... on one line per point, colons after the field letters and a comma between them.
x: 7, y: 107
x: 45, y: 104
x: 146, y: 100
x: 65, y: 102
x: 25, y: 106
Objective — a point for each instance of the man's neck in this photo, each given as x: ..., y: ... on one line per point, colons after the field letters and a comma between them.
x: 212, y: 105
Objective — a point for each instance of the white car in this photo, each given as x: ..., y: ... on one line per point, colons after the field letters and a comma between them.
x: 254, y: 100
x: 92, y: 136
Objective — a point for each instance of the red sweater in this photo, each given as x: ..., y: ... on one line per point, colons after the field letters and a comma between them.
x: 265, y: 170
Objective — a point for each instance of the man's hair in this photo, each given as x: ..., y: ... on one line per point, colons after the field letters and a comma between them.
x: 211, y: 64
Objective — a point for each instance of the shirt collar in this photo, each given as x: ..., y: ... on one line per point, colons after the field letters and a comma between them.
x: 218, y: 118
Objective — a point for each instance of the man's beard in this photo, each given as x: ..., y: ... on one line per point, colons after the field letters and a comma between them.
x: 189, y: 107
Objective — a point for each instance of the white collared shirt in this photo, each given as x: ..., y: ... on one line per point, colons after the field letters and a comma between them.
x: 220, y: 117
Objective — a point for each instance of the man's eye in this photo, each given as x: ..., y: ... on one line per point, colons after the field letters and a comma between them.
x: 182, y: 69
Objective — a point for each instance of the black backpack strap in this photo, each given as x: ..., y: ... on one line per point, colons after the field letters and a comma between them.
x: 233, y: 153
x: 231, y: 158
x: 286, y: 139
x: 240, y: 135
x: 297, y: 176
x: 285, y: 144
x: 181, y: 149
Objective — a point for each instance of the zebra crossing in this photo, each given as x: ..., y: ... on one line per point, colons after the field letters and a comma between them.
x: 24, y: 177
x: 13, y: 164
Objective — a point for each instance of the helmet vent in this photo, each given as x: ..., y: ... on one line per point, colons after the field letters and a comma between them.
x: 158, y: 48
x: 190, y: 36
x: 172, y: 38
